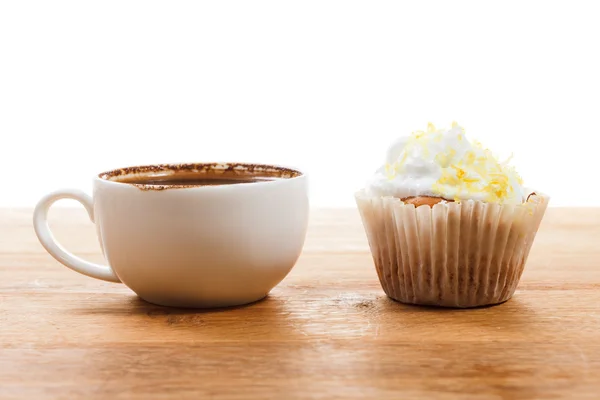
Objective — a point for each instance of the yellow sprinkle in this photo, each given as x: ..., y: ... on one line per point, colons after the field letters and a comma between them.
x: 471, y: 180
x: 430, y: 128
x: 470, y: 157
x: 389, y: 172
x: 399, y: 165
x: 454, y: 124
x: 404, y: 157
x: 444, y: 159
x: 459, y: 172
x: 507, y: 161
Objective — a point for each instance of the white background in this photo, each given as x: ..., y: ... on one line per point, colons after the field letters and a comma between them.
x: 323, y: 85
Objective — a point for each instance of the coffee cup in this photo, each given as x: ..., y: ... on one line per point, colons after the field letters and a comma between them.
x: 191, y: 235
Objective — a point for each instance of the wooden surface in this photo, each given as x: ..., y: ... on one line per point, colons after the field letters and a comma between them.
x: 327, y: 331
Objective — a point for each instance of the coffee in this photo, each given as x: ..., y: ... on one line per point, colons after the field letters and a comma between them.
x: 165, y: 176
x: 192, y: 179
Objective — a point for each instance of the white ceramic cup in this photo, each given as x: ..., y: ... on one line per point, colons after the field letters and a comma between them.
x: 191, y: 246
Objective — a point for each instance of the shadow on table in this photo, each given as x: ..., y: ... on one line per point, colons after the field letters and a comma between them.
x: 515, y: 315
x: 343, y: 315
x: 137, y: 306
x: 118, y: 315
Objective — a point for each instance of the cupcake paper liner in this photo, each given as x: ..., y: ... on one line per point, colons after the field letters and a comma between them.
x: 454, y: 254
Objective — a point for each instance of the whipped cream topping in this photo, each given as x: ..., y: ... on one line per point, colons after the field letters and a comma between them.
x: 445, y: 163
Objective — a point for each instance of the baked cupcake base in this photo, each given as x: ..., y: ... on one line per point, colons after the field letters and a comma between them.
x: 453, y: 254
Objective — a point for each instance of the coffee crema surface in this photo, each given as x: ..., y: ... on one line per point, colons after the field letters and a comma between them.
x: 193, y: 175
x: 191, y: 179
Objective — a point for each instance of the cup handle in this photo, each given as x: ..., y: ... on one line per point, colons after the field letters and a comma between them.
x: 42, y: 230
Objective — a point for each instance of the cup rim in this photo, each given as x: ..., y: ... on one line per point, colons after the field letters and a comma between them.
x: 288, y: 173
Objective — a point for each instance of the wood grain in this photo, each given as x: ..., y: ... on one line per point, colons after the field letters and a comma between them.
x: 326, y: 332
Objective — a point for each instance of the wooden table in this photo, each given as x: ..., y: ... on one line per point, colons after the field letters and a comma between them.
x: 327, y: 331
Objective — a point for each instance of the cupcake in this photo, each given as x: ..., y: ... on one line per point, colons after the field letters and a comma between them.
x: 448, y: 224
